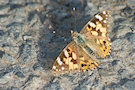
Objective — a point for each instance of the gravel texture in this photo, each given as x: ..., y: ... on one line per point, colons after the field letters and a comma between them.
x: 34, y: 32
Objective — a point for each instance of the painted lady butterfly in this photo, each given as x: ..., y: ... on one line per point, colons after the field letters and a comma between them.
x: 92, y: 42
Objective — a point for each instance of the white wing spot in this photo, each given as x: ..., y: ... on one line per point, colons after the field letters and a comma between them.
x: 108, y: 54
x: 99, y: 17
x: 66, y: 53
x: 104, y: 12
x: 54, y: 67
x: 92, y: 24
x: 104, y: 21
x: 110, y: 43
x: 109, y: 39
x: 59, y: 61
x: 62, y: 68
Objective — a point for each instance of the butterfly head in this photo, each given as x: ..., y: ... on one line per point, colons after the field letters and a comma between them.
x: 74, y: 34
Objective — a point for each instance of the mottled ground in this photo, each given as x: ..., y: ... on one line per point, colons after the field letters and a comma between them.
x: 34, y: 32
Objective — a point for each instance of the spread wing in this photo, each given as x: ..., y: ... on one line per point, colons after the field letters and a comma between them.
x: 97, y: 29
x: 73, y: 58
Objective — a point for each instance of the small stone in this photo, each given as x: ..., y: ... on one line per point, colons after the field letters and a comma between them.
x: 1, y: 54
x: 130, y: 84
x: 127, y: 11
x: 114, y: 62
x: 3, y: 81
x: 132, y: 39
x: 20, y: 74
x: 27, y: 37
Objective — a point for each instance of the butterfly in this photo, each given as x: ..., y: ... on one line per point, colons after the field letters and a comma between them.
x: 91, y: 43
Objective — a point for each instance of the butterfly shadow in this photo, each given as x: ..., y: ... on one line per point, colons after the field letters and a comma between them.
x: 52, y: 41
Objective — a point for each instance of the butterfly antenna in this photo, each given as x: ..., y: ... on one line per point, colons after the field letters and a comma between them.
x: 74, y: 14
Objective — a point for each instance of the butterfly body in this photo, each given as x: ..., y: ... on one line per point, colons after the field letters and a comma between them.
x: 82, y: 42
x: 82, y: 52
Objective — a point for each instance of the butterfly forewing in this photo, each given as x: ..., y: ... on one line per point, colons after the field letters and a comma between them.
x: 97, y: 25
x: 64, y: 62
x: 73, y: 58
x: 97, y: 29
